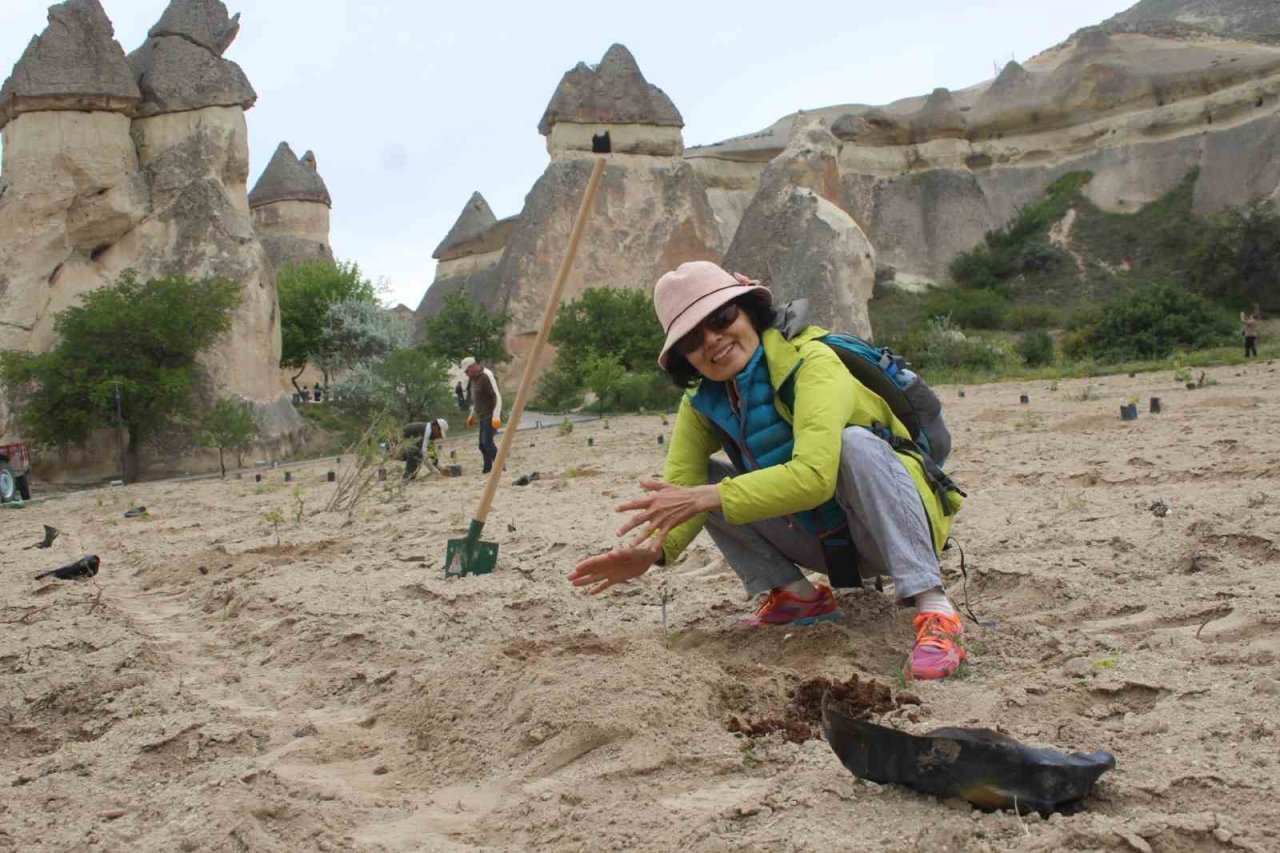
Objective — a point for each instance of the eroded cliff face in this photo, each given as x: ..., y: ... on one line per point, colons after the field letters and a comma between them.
x: 150, y: 177
x: 926, y: 178
x: 795, y: 238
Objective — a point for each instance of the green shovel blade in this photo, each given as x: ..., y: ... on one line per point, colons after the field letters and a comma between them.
x: 470, y: 556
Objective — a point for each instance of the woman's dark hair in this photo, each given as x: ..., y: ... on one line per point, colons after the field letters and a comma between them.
x: 761, y: 314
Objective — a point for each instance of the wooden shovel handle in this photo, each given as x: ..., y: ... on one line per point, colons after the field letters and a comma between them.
x: 535, y: 354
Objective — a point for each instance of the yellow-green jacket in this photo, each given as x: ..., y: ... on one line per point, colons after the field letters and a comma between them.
x: 827, y: 400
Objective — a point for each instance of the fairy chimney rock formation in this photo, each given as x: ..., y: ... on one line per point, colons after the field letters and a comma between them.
x: 476, y: 218
x: 180, y: 67
x: 204, y: 23
x: 611, y: 108
x: 114, y: 163
x: 291, y: 205
x: 468, y: 258
x: 69, y: 184
x: 75, y: 64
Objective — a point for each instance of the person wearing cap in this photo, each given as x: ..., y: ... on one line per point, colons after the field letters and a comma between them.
x: 813, y: 480
x: 424, y: 445
x: 486, y: 407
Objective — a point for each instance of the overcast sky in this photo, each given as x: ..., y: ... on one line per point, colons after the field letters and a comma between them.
x: 411, y: 106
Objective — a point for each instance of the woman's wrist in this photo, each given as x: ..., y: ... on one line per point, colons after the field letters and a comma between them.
x: 709, y: 498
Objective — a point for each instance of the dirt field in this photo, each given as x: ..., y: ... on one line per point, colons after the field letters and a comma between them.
x: 215, y: 690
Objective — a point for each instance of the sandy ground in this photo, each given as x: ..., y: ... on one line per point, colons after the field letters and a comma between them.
x: 215, y: 690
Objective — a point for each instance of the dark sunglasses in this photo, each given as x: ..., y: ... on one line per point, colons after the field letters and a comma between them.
x: 717, y: 321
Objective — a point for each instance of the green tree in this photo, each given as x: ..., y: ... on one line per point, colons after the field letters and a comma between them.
x: 462, y: 328
x: 609, y: 320
x: 228, y: 426
x: 1236, y: 261
x: 409, y: 384
x: 141, y: 338
x: 307, y: 291
x: 356, y: 332
x: 605, y: 376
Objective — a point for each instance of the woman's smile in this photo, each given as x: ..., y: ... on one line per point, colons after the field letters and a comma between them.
x: 725, y: 354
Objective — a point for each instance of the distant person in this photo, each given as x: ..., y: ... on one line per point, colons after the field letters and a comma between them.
x: 1250, y: 324
x: 486, y: 407
x: 462, y: 397
x: 316, y: 393
x: 424, y: 444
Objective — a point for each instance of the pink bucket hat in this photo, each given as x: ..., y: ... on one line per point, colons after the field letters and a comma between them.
x: 690, y: 293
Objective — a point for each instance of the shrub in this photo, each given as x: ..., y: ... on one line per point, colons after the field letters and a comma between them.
x: 970, y: 309
x: 1036, y: 348
x: 1084, y: 317
x: 647, y: 391
x: 1024, y: 317
x: 559, y: 390
x: 941, y: 345
x: 1077, y: 344
x: 1157, y: 320
x: 1236, y: 257
x: 229, y: 425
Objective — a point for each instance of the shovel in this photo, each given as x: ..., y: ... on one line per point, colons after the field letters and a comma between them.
x: 470, y: 555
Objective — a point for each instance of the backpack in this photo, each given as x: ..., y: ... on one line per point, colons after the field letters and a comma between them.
x: 890, y: 376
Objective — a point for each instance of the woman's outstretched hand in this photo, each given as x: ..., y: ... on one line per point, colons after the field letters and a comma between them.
x: 666, y: 507
x: 617, y: 566
x: 663, y: 509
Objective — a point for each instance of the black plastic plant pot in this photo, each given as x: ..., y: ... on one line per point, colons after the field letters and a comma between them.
x: 982, y: 767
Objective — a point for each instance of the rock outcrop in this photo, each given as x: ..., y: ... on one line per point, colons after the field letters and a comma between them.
x: 113, y: 164
x: 797, y: 240
x: 1141, y: 108
x: 180, y: 67
x: 75, y: 64
x: 611, y: 108
x: 291, y: 207
x: 467, y: 259
x: 651, y: 213
x: 1226, y: 17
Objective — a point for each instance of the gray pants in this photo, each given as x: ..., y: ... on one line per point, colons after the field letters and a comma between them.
x: 887, y: 523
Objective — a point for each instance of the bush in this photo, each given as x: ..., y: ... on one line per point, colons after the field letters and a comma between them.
x: 1236, y: 257
x: 970, y: 309
x: 1036, y: 348
x: 559, y: 390
x: 650, y: 391
x: 1084, y: 318
x: 941, y: 345
x: 1077, y: 344
x: 1024, y: 317
x: 1157, y: 320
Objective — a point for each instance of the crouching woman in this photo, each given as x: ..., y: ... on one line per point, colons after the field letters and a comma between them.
x: 814, y: 481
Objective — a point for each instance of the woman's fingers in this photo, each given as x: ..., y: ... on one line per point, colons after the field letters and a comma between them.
x: 633, y: 522
x: 639, y: 503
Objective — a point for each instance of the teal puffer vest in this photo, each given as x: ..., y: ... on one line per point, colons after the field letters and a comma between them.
x: 755, y: 435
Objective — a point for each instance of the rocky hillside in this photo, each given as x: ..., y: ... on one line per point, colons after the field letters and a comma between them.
x: 1228, y: 17
x: 926, y: 177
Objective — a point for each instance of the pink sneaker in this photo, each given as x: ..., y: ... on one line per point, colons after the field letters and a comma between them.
x: 787, y: 608
x: 939, y: 645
